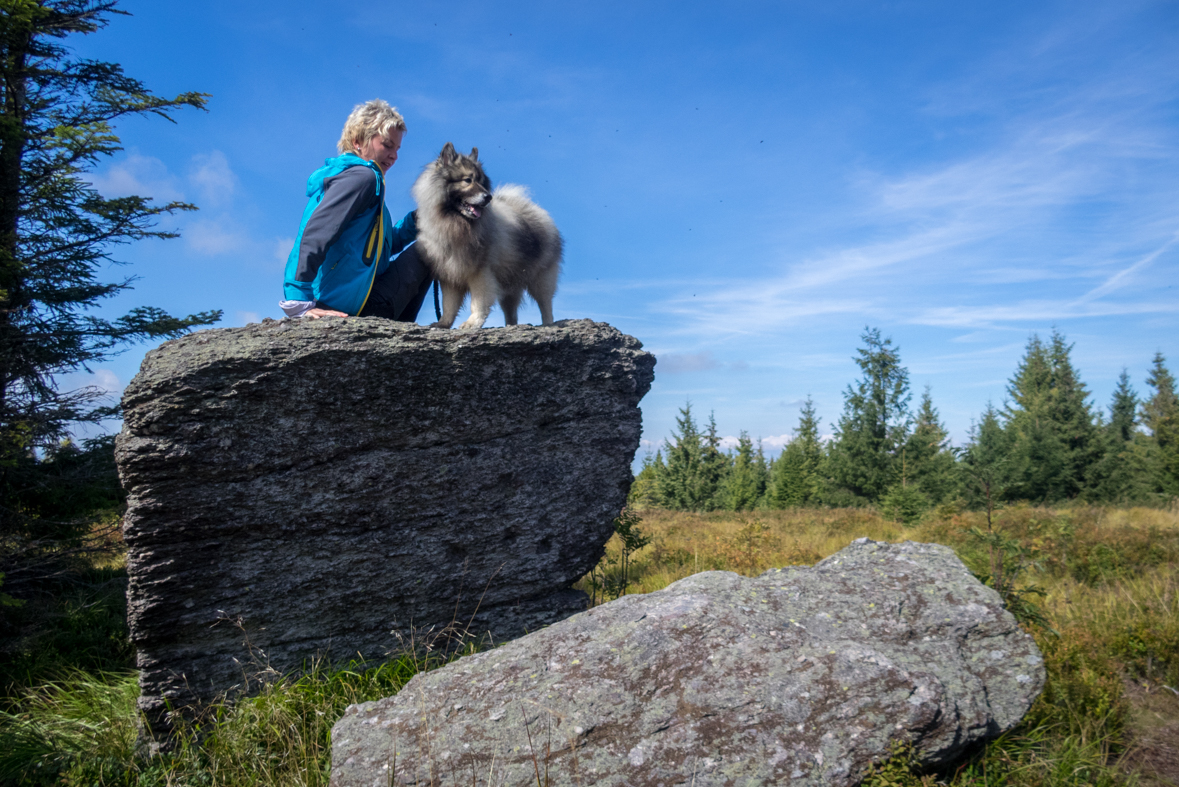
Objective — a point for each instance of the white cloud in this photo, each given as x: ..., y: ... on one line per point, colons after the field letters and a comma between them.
x: 677, y: 363
x: 107, y: 380
x: 137, y: 175
x: 214, y: 180
x: 215, y: 236
x: 776, y: 442
x: 1070, y: 213
x: 246, y: 318
x: 680, y: 363
x: 1037, y: 312
x: 1123, y: 277
x: 728, y: 443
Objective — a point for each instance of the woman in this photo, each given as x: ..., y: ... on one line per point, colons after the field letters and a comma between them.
x: 342, y: 263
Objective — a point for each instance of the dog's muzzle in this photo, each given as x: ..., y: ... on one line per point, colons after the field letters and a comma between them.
x: 473, y: 208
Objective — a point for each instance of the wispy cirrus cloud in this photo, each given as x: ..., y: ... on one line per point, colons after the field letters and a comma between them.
x: 1069, y: 212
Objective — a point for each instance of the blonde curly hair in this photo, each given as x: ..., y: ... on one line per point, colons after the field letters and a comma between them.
x: 371, y: 119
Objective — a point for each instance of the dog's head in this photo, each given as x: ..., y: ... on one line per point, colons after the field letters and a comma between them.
x: 468, y: 190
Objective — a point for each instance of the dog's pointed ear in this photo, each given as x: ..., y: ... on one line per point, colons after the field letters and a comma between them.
x: 474, y: 154
x: 448, y: 156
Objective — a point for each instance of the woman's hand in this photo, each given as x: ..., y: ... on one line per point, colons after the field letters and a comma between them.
x: 315, y: 314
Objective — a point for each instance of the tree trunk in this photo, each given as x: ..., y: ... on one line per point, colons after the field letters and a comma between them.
x: 13, y: 138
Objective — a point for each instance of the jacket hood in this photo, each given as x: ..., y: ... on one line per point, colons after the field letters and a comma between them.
x: 334, y: 166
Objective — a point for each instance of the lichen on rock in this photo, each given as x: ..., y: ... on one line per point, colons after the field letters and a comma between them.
x: 801, y: 676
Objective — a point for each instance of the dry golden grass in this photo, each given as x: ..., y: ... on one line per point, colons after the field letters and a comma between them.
x: 1111, y: 607
x: 1090, y: 544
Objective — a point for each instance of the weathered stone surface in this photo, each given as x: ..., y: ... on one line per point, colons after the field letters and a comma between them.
x: 801, y: 676
x: 318, y: 486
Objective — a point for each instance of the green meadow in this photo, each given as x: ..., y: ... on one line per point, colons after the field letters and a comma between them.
x: 1098, y: 587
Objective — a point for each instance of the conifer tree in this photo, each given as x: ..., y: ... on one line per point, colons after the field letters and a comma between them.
x: 715, y: 468
x: 1123, y: 410
x: 745, y: 483
x: 1041, y: 455
x: 1126, y: 472
x: 695, y: 466
x: 865, y: 455
x: 1163, y: 405
x: 796, y: 473
x: 986, y: 460
x: 681, y: 478
x: 644, y: 490
x: 57, y: 234
x: 1160, y: 415
x: 927, y: 460
x: 762, y: 467
x: 1053, y: 438
x: 1073, y: 411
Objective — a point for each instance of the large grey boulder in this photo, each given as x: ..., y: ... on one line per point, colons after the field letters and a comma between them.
x: 801, y: 676
x: 314, y: 489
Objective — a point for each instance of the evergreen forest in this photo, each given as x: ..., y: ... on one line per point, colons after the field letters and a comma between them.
x: 1047, y: 443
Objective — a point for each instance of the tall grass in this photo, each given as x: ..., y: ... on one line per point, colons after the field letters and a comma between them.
x: 82, y: 730
x: 1110, y: 611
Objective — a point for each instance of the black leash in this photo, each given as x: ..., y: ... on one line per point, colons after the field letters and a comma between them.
x: 437, y: 308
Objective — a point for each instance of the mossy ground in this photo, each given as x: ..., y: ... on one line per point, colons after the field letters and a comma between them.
x: 1109, y: 629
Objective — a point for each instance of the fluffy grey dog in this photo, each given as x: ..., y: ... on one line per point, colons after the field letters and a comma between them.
x: 494, y: 245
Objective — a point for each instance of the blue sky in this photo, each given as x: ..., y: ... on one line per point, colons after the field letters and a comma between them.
x: 743, y: 186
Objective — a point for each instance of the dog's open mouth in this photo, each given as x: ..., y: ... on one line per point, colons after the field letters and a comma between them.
x: 469, y: 210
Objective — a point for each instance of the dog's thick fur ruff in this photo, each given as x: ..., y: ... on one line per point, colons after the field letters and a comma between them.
x: 497, y: 246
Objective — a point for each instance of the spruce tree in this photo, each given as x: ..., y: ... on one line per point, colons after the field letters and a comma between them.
x: 1073, y: 411
x: 1124, y: 474
x: 1123, y: 410
x: 1041, y: 457
x: 681, y: 478
x: 986, y: 461
x: 927, y: 460
x: 695, y: 466
x: 796, y: 473
x: 866, y: 453
x: 57, y: 235
x: 1163, y: 405
x: 715, y: 467
x: 644, y: 490
x: 1160, y: 415
x: 1054, y: 440
x: 762, y: 468
x: 745, y: 483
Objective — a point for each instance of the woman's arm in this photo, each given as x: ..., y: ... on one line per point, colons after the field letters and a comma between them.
x: 345, y: 196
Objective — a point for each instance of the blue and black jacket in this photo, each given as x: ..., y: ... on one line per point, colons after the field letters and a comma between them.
x: 346, y: 238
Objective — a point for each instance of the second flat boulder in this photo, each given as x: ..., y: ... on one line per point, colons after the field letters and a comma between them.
x: 802, y: 676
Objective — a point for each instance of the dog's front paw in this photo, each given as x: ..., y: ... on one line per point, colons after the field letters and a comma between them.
x: 442, y: 326
x: 471, y: 324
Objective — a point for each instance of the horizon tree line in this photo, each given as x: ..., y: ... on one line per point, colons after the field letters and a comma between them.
x: 1047, y: 443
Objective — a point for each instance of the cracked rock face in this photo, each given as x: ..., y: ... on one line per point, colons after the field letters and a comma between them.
x: 319, y: 487
x: 801, y: 676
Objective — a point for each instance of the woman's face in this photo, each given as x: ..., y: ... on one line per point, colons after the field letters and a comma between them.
x: 382, y: 151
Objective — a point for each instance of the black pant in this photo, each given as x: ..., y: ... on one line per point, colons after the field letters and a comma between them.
x: 397, y: 294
